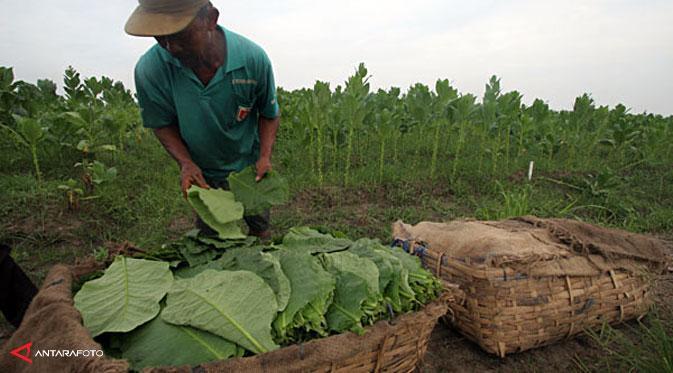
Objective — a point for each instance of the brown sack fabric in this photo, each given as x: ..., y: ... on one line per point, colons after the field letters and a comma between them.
x: 483, y: 244
x: 587, y: 239
x: 52, y: 323
x: 529, y: 282
x: 538, y: 247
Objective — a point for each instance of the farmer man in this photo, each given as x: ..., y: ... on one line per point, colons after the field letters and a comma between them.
x: 208, y: 94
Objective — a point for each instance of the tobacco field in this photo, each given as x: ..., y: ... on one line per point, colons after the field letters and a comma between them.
x: 80, y: 176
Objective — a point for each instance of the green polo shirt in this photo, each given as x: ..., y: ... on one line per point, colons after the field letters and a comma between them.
x: 218, y: 122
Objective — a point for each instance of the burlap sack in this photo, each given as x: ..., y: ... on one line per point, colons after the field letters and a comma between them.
x: 539, y: 247
x: 52, y: 323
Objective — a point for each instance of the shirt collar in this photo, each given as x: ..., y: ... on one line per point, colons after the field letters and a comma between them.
x: 234, y: 57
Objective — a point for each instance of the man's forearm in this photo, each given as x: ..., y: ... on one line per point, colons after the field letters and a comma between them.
x: 267, y: 135
x: 170, y: 138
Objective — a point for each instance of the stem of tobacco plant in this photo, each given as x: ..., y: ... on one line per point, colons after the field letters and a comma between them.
x: 36, y: 164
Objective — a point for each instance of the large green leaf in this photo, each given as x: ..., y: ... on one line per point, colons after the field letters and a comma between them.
x: 398, y: 292
x: 345, y: 312
x: 258, y: 196
x: 305, y: 238
x: 219, y: 210
x: 364, y: 268
x: 365, y: 248
x: 236, y: 305
x: 357, y: 281
x: 251, y: 259
x: 264, y: 265
x: 159, y: 343
x: 423, y: 284
x: 30, y: 129
x: 125, y: 297
x: 393, y: 276
x: 312, y: 290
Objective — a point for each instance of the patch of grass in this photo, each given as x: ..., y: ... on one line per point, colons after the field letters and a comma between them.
x: 644, y: 347
x: 367, y: 211
x: 513, y: 202
x: 138, y: 206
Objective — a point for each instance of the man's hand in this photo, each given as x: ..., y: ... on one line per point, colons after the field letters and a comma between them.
x: 267, y: 136
x: 190, y: 174
x: 263, y: 166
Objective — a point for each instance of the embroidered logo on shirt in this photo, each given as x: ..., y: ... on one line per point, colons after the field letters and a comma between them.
x: 244, y: 81
x: 242, y: 113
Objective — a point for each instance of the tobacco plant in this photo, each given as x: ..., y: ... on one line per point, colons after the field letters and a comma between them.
x: 30, y: 134
x: 357, y: 89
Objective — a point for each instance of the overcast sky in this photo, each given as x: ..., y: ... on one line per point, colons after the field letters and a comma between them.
x: 617, y: 50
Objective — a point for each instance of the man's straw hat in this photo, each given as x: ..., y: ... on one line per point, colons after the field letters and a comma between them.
x: 162, y: 17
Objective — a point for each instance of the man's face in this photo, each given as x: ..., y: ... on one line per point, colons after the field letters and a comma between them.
x: 189, y: 44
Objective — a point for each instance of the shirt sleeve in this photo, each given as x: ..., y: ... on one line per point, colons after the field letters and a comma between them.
x: 267, y: 101
x: 156, y: 108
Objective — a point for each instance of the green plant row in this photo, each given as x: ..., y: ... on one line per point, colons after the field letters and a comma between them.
x: 608, y: 163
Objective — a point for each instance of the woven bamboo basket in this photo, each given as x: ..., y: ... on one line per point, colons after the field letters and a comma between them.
x: 507, y: 309
x: 505, y: 312
x: 397, y: 345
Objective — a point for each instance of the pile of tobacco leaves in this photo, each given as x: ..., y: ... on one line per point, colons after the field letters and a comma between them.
x: 205, y: 298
